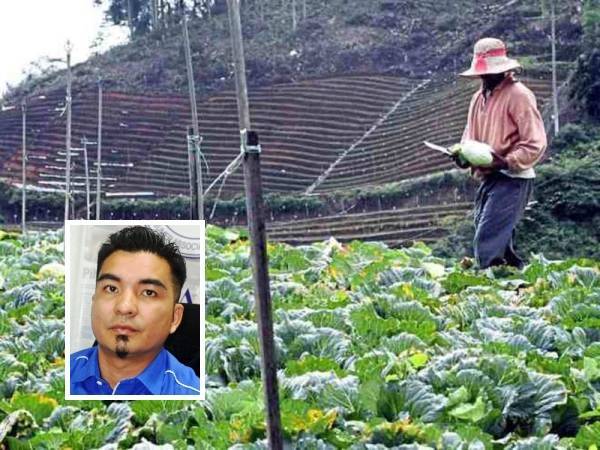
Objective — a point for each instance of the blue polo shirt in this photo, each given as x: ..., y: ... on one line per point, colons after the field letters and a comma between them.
x: 164, y: 376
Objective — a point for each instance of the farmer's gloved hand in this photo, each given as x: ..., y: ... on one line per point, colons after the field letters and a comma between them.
x: 456, y: 158
x: 498, y: 163
x: 461, y: 163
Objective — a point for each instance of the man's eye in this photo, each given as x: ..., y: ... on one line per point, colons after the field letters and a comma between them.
x: 149, y: 293
x: 110, y: 289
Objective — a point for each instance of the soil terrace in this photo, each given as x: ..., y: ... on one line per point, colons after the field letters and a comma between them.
x: 305, y: 128
x: 395, y: 227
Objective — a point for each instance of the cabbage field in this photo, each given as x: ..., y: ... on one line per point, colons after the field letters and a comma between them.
x: 378, y: 348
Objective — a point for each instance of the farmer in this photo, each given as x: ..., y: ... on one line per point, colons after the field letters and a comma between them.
x: 139, y: 277
x: 504, y: 115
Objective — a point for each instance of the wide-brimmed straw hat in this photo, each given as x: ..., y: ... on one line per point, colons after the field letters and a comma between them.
x: 490, y: 57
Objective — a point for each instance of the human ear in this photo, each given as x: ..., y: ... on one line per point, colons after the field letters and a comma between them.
x: 177, y: 316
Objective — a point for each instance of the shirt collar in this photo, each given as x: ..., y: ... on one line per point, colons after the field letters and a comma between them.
x: 151, y: 376
x: 90, y: 368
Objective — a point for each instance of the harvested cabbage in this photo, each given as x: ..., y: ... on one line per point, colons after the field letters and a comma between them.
x: 474, y: 152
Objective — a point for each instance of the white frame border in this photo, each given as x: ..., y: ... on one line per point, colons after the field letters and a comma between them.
x: 125, y: 223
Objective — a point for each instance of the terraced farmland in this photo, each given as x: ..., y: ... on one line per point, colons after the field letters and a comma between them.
x: 395, y: 227
x: 303, y: 126
x: 329, y: 133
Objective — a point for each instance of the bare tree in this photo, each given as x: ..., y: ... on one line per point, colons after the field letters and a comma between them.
x: 155, y: 22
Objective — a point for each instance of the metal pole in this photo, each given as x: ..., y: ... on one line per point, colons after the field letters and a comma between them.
x: 239, y: 62
x: 554, y: 88
x: 197, y: 169
x: 24, y: 168
x: 84, y: 141
x: 68, y: 139
x: 194, y: 212
x: 99, y: 155
x: 256, y: 226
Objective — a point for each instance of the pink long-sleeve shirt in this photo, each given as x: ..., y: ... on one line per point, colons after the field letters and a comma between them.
x: 509, y: 121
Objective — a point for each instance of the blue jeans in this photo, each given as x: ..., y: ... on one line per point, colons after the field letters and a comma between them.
x: 499, y: 205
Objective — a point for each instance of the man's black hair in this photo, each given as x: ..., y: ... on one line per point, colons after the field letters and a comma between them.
x: 143, y: 239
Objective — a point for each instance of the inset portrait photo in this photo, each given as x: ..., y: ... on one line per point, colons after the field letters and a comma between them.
x: 134, y: 310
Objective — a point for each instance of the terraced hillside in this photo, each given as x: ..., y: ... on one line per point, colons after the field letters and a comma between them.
x: 303, y: 126
x: 42, y: 112
x: 395, y: 227
x: 330, y: 133
x: 132, y: 127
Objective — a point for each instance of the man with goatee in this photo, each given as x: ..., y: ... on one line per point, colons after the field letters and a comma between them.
x: 139, y: 277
